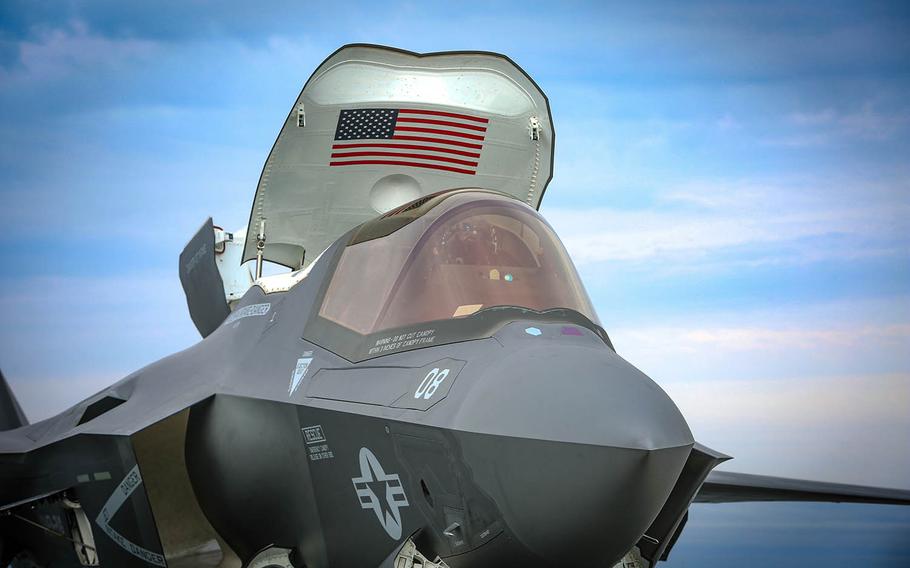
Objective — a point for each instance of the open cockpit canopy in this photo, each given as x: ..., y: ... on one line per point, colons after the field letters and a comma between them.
x: 375, y: 128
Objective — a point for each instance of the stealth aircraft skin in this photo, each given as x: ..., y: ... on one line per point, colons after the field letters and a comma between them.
x: 429, y: 385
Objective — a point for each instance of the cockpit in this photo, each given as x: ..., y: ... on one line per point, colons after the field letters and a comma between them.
x: 449, y: 257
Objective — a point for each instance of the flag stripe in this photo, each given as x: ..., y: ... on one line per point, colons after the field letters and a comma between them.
x: 443, y: 113
x: 438, y: 140
x: 404, y: 155
x: 408, y: 147
x: 402, y: 163
x: 436, y: 131
x: 443, y: 123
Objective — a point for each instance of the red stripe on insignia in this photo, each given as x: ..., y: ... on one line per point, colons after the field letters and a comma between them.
x: 443, y: 123
x: 404, y: 155
x: 408, y: 147
x: 443, y: 113
x: 435, y: 131
x: 402, y: 163
x: 437, y: 140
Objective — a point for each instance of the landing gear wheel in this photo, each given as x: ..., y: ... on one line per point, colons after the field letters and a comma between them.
x: 272, y: 558
x: 632, y: 559
x: 410, y: 557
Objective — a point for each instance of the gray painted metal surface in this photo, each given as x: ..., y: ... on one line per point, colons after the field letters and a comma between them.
x: 307, y: 203
x: 202, y: 282
x: 528, y: 442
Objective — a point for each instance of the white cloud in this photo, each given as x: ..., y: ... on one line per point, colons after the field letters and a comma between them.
x: 804, y: 340
x: 756, y: 223
x: 742, y: 339
x: 727, y: 122
x: 60, y: 52
x: 867, y: 122
x: 607, y: 235
x: 849, y: 429
x: 44, y: 397
x: 818, y: 391
x: 89, y: 328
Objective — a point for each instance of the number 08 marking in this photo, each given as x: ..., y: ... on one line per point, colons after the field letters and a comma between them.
x: 430, y: 383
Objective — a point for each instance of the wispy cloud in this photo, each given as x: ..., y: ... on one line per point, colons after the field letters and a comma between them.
x: 867, y: 123
x: 57, y: 53
x: 764, y: 339
x: 689, y: 239
x: 852, y: 335
x: 711, y: 224
x: 87, y: 326
x: 125, y: 124
x: 43, y: 397
x: 848, y: 429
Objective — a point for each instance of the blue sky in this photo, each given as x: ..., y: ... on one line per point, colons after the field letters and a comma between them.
x: 731, y: 179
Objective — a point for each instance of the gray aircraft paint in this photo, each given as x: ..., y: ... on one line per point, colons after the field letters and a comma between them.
x: 538, y: 441
x: 202, y: 282
x: 307, y: 205
x: 390, y: 490
x: 113, y: 504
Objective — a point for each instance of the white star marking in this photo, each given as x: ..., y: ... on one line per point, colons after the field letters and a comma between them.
x: 371, y: 472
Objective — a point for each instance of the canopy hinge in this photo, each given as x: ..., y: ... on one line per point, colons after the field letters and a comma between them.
x: 534, y: 128
x: 222, y: 237
x: 260, y: 248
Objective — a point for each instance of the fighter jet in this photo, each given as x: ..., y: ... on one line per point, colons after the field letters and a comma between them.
x: 428, y: 385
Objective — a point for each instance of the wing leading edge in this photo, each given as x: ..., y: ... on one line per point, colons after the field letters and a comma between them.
x: 729, y: 487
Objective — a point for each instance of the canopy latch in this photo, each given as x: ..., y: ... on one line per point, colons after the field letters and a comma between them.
x: 534, y: 128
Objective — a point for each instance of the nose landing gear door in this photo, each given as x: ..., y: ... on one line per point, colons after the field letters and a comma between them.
x: 375, y: 128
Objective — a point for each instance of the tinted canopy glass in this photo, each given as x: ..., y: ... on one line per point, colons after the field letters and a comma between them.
x: 475, y: 250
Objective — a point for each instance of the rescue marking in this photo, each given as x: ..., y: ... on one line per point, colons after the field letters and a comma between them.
x: 129, y: 484
x: 389, y: 485
x: 248, y: 311
x: 300, y: 371
x: 313, y: 434
x: 430, y: 383
x: 320, y: 452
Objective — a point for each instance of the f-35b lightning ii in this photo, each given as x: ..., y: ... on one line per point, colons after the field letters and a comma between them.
x: 428, y: 386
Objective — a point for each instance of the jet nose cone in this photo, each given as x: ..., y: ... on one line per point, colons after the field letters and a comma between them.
x: 579, y: 449
x: 580, y: 394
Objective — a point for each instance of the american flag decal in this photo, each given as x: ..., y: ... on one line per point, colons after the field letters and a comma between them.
x: 416, y: 138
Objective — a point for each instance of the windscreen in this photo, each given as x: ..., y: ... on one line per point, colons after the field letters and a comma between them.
x: 473, y: 251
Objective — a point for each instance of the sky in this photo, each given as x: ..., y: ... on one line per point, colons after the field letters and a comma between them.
x: 731, y: 179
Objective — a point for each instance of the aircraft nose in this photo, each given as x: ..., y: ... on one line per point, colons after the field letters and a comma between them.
x: 578, y: 448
